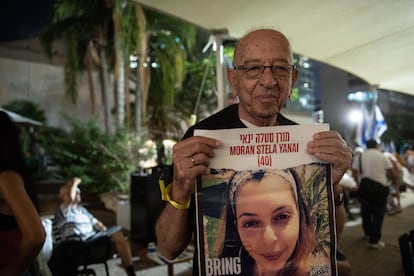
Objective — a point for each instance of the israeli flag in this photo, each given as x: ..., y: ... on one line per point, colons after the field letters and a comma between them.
x: 380, y: 126
x: 372, y: 125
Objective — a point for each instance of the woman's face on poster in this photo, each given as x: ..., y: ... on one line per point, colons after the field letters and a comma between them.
x: 268, y: 221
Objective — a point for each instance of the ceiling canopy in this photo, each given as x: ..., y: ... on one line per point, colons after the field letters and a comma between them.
x: 372, y: 39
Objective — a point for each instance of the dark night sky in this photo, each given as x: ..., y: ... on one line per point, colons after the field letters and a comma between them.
x: 22, y: 19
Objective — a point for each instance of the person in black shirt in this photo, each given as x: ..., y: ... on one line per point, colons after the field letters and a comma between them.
x: 262, y: 77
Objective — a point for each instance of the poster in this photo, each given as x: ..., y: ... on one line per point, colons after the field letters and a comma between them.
x: 266, y: 206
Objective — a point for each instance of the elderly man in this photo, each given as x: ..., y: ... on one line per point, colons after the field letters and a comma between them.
x: 262, y: 78
x: 76, y: 223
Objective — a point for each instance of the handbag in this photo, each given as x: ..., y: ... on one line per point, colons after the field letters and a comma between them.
x: 372, y: 190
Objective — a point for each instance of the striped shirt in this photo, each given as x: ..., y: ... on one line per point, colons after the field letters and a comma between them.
x: 74, y: 222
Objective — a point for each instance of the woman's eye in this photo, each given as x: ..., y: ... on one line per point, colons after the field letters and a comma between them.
x: 250, y: 223
x: 282, y: 217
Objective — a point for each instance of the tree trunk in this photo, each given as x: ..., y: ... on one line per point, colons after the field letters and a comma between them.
x: 127, y: 95
x: 119, y: 70
x: 143, y: 75
x: 89, y: 67
x: 138, y: 104
x: 104, y: 81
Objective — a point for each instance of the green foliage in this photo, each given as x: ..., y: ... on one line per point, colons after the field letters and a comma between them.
x: 295, y: 94
x: 171, y: 46
x: 125, y: 9
x: 228, y: 51
x: 169, y: 40
x: 186, y: 99
x: 315, y: 191
x: 75, y: 22
x: 26, y: 108
x: 400, y: 129
x: 103, y: 161
x: 33, y: 111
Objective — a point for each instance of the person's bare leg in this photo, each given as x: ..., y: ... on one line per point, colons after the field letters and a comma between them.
x: 122, y: 248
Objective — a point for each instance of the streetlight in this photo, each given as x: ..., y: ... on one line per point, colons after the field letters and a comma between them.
x: 370, y: 121
x: 355, y: 116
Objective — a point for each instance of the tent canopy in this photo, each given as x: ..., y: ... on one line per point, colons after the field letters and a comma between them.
x: 372, y: 39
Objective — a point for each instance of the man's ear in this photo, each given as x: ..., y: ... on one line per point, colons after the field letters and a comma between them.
x: 232, y: 78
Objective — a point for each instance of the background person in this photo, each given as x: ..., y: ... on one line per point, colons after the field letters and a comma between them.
x: 350, y: 187
x: 21, y: 231
x: 409, y: 158
x: 262, y: 78
x: 268, y: 223
x: 372, y: 168
x: 393, y: 200
x: 75, y: 222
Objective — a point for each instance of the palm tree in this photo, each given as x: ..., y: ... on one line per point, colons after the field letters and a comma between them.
x: 169, y: 40
x: 125, y: 40
x: 142, y: 76
x: 198, y: 96
x: 107, y: 33
x: 83, y: 28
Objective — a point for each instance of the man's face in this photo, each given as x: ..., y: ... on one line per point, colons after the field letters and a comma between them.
x: 262, y: 98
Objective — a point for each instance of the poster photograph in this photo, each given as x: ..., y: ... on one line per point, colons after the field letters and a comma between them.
x: 266, y: 206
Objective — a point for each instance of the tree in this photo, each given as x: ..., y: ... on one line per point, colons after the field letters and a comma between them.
x: 169, y: 40
x: 125, y: 41
x: 26, y: 108
x: 142, y: 72
x: 83, y: 27
x: 199, y: 95
x: 103, y: 161
x: 29, y: 136
x: 107, y: 33
x: 400, y: 130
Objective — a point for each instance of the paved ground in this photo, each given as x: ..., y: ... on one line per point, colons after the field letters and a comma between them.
x: 365, y: 261
x: 385, y: 261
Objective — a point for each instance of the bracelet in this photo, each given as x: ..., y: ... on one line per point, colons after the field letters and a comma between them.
x: 165, y: 195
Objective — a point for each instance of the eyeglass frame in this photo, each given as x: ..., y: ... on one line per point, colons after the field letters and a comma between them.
x: 242, y: 68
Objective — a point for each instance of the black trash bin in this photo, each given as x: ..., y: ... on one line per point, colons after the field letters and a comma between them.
x: 145, y: 203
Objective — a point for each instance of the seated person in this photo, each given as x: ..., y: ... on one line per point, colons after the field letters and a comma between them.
x: 76, y: 223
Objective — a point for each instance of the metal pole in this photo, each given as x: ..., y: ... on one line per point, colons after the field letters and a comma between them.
x: 220, y: 72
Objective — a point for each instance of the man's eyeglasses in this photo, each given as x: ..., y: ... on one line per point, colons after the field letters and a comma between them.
x: 255, y: 71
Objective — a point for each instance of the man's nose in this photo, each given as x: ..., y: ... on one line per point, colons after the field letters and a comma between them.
x: 267, y: 79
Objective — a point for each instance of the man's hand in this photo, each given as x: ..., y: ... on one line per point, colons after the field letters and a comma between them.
x: 76, y: 181
x: 100, y: 226
x: 191, y: 158
x: 330, y: 147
